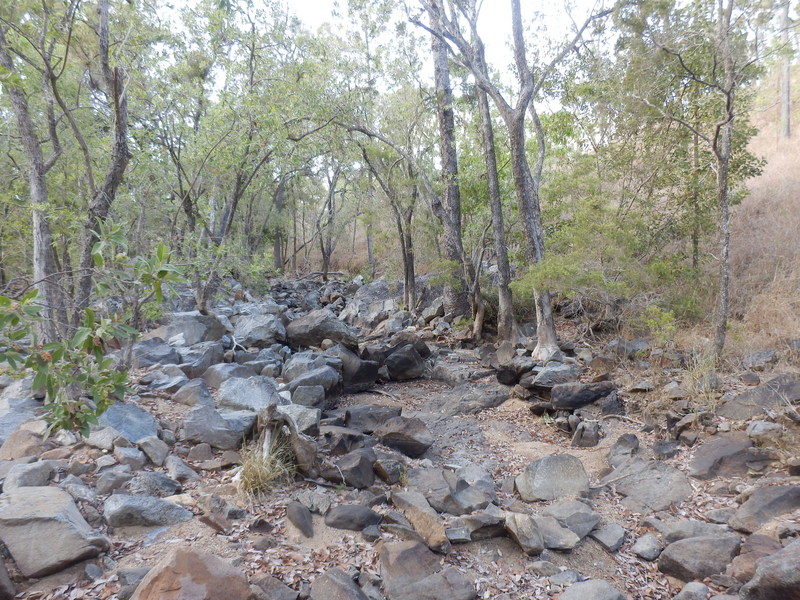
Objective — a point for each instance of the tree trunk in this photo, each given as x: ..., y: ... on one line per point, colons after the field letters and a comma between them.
x: 455, y: 295
x: 786, y: 73
x: 277, y: 244
x: 505, y: 315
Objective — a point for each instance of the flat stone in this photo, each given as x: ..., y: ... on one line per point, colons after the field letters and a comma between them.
x: 335, y: 584
x: 300, y: 517
x: 424, y: 519
x: 649, y: 486
x: 215, y: 375
x: 132, y: 422
x: 150, y: 483
x: 770, y: 396
x: 369, y: 417
x: 680, y: 530
x: 777, y: 576
x: 694, y: 590
x: 552, y: 477
x: 122, y: 510
x: 273, y: 588
x: 524, y: 531
x: 574, y: 515
x: 610, y: 537
x: 697, y: 558
x: 554, y: 536
x: 724, y: 456
x: 351, y: 516
x: 28, y: 475
x: 765, y: 504
x: 571, y: 396
x: 194, y: 392
x: 593, y: 589
x: 409, y: 436
x: 156, y: 450
x: 252, y: 393
x: 647, y: 547
x: 205, y: 424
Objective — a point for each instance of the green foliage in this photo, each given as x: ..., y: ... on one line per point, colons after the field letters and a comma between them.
x: 79, y: 380
x: 658, y: 324
x: 447, y: 272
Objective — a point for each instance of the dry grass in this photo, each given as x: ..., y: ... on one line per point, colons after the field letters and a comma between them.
x: 260, y: 471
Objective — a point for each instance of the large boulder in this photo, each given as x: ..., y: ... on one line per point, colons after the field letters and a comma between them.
x: 724, y: 456
x: 777, y: 576
x: 194, y: 392
x: 696, y: 558
x: 258, y: 330
x: 592, y: 589
x: 368, y: 417
x: 405, y: 363
x: 357, y: 375
x: 408, y: 435
x: 649, y: 485
x: 154, y: 351
x: 122, y: 510
x: 765, y: 504
x: 215, y: 375
x: 131, y: 422
x: 410, y: 570
x: 311, y: 329
x: 186, y: 574
x: 190, y: 328
x: 44, y: 531
x: 571, y: 396
x: 205, y: 424
x: 523, y: 529
x: 253, y: 393
x: 196, y: 359
x: 335, y: 584
x: 769, y: 396
x: 552, y: 477
x: 327, y: 377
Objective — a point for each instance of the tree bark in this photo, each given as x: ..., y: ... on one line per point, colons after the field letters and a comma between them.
x: 786, y: 73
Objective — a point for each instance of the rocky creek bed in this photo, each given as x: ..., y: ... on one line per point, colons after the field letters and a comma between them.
x: 428, y: 468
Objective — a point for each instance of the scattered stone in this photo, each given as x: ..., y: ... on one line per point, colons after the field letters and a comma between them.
x: 647, y: 547
x: 122, y: 510
x: 300, y: 517
x: 199, y: 357
x: 610, y: 537
x: 273, y: 588
x: 351, y: 516
x: 194, y: 392
x: 625, y: 447
x: 552, y: 477
x: 357, y: 375
x: 155, y: 449
x: 587, y: 435
x: 259, y: 330
x: 132, y: 457
x: 44, y: 531
x: 699, y: 557
x: 754, y: 548
x: 769, y: 396
x: 253, y: 393
x: 725, y: 455
x: 154, y: 351
x: 680, y: 530
x: 325, y: 376
x: 205, y: 424
x: 759, y: 361
x: 111, y: 480
x: 306, y: 419
x: 150, y: 483
x: 312, y: 396
x: 523, y: 530
x: 694, y: 590
x: 408, y: 435
x: 215, y: 375
x: 553, y: 374
x: 665, y: 449
x: 574, y: 515
x: 335, y: 584
x: 592, y: 589
x: 777, y: 576
x: 186, y: 574
x: 571, y: 396
x: 424, y: 519
x: 28, y: 475
x: 192, y: 328
x: 554, y: 536
x: 649, y: 485
x: 765, y: 432
x: 131, y: 422
x: 311, y: 329
x: 369, y: 417
x: 179, y: 470
x: 405, y: 363
x: 765, y: 504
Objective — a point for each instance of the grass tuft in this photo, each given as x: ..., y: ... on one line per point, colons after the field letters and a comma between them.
x: 261, y: 471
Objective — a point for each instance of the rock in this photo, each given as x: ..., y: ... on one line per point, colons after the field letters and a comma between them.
x: 155, y: 449
x: 312, y: 396
x: 112, y: 480
x: 17, y: 442
x: 311, y: 329
x: 755, y: 547
x: 554, y: 536
x: 403, y: 563
x: 624, y: 448
x: 205, y: 424
x: 765, y: 504
x: 28, y: 475
x: 351, y: 516
x: 649, y: 485
x: 592, y: 589
x: 300, y: 517
x: 179, y: 470
x: 552, y: 477
x: 629, y: 348
x: 574, y: 515
x: 327, y: 377
x: 699, y: 557
x: 259, y: 331
x: 777, y: 576
x: 571, y: 396
x: 186, y: 574
x: 610, y: 537
x: 357, y: 375
x: 198, y: 358
x: 523, y: 530
x: 647, y: 547
x: 587, y: 435
x: 680, y: 530
x: 122, y: 510
x: 154, y: 351
x: 75, y: 487
x: 468, y: 399
x: 132, y: 422
x: 368, y: 417
x: 726, y: 455
x: 405, y: 363
x: 7, y: 589
x: 192, y: 328
x: 759, y: 361
x: 694, y: 590
x: 765, y: 432
x: 665, y: 449
x: 335, y: 584
x: 149, y: 483
x: 194, y: 392
x: 215, y: 375
x: 169, y: 378
x: 44, y: 531
x: 553, y: 374
x: 302, y: 363
x: 448, y: 583
x: 254, y: 394
x: 356, y: 467
x: 425, y: 520
x: 770, y: 396
x: 409, y: 436
x: 306, y: 419
x: 132, y: 457
x: 340, y: 440
x: 273, y: 588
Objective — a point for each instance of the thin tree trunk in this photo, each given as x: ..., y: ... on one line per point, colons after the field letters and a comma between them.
x: 786, y: 72
x: 277, y: 245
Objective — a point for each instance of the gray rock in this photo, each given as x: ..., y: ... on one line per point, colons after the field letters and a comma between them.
x: 306, y: 419
x: 592, y: 589
x: 155, y: 449
x: 254, y: 393
x: 335, y: 584
x: 357, y: 375
x: 302, y: 363
x: 311, y: 329
x: 111, y: 480
x: 697, y: 558
x: 198, y: 358
x: 694, y: 590
x: 194, y: 392
x: 574, y: 515
x: 423, y: 518
x: 777, y: 576
x: 327, y: 377
x: 405, y: 363
x: 215, y: 375
x: 259, y: 331
x: 524, y: 531
x: 448, y: 583
x: 354, y: 517
x: 409, y: 436
x: 649, y: 485
x: 205, y: 424
x: 554, y: 536
x: 725, y: 455
x: 647, y: 547
x: 132, y: 457
x: 624, y: 448
x: 680, y: 530
x: 28, y: 475
x: 132, y: 422
x: 758, y: 361
x: 368, y: 417
x: 571, y: 396
x: 765, y: 432
x: 403, y: 563
x: 610, y: 537
x: 356, y: 467
x: 169, y: 378
x: 665, y: 449
x: 123, y: 510
x: 179, y: 470
x: 765, y: 504
x: 770, y: 396
x: 587, y: 435
x: 312, y: 396
x: 153, y: 484
x: 77, y: 489
x: 553, y: 374
x: 44, y: 531
x: 300, y: 517
x: 273, y: 588
x: 193, y: 328
x: 565, y: 578
x: 154, y: 351
x: 552, y: 477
